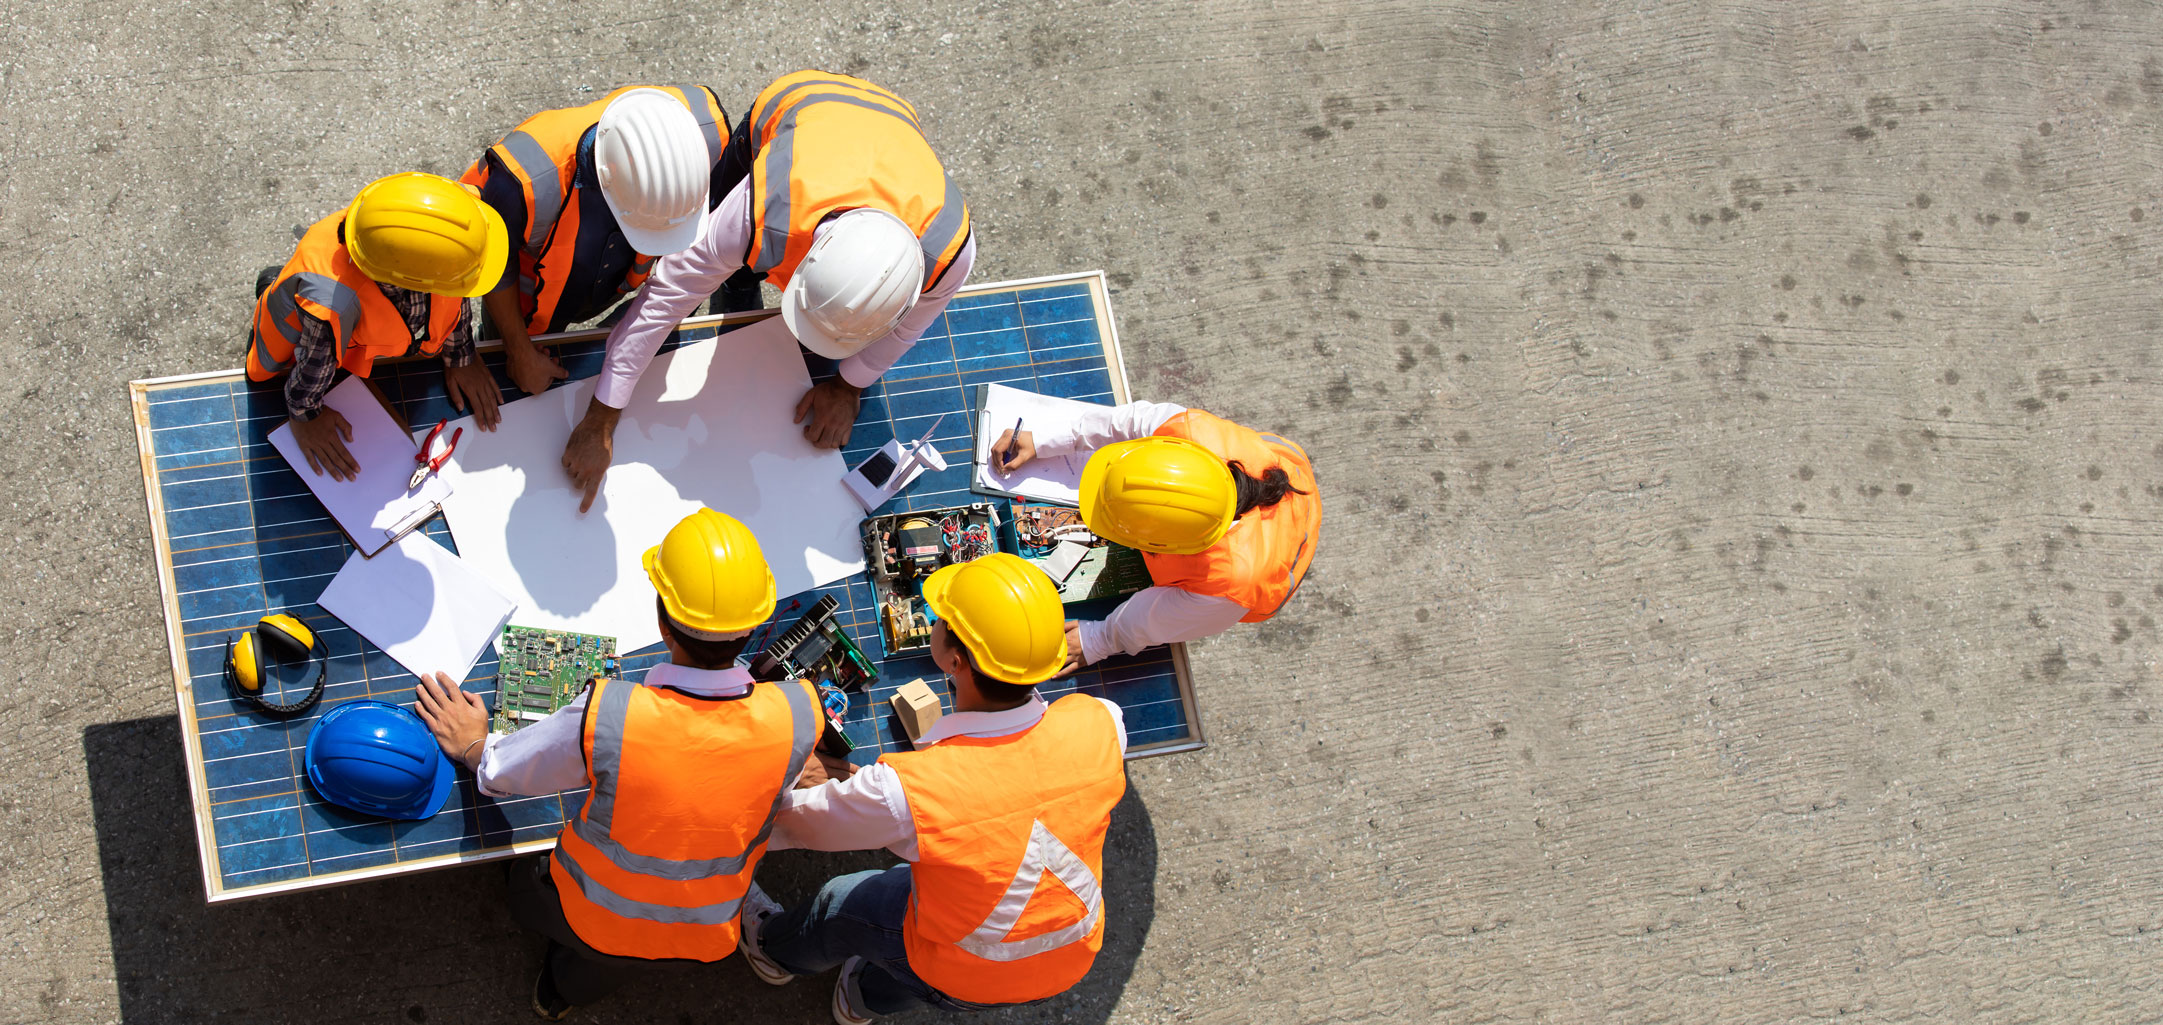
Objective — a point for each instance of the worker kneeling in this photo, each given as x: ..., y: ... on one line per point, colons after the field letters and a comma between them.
x: 998, y: 796
x: 685, y: 772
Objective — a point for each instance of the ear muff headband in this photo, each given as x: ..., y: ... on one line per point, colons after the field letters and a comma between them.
x: 290, y: 640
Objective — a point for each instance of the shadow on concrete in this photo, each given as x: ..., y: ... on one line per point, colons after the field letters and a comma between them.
x: 439, y: 946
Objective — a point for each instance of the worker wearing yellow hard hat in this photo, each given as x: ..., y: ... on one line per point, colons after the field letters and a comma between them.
x: 683, y: 770
x: 592, y: 195
x: 1002, y: 792
x: 386, y: 277
x: 1226, y: 517
x: 833, y: 195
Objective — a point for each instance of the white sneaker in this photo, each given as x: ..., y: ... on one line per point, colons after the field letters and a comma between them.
x: 757, y: 907
x: 847, y: 997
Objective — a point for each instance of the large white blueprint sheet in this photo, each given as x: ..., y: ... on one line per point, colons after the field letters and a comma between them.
x: 710, y: 424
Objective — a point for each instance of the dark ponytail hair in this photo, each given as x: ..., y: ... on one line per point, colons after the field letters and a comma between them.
x: 1260, y: 493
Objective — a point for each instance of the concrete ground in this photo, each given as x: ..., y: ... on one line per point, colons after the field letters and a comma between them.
x: 1736, y: 424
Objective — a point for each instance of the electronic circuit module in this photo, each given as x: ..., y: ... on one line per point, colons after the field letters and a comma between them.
x: 539, y: 671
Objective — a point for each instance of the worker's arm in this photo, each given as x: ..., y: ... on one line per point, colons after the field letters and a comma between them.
x: 530, y: 368
x: 680, y: 281
x: 466, y: 380
x: 1152, y: 616
x: 320, y: 430
x: 866, y: 811
x: 1087, y: 433
x: 874, y: 360
x: 543, y: 758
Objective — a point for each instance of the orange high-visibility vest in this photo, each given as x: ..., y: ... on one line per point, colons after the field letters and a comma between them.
x: 828, y: 143
x: 542, y: 153
x: 684, y: 791
x: 1262, y: 559
x: 321, y: 281
x: 1007, y: 904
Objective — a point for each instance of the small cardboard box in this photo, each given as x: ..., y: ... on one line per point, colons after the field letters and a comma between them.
x: 918, y: 706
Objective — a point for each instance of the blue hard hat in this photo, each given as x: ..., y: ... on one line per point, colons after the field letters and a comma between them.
x: 378, y: 758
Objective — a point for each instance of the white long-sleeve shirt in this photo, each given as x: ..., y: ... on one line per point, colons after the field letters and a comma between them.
x: 545, y: 758
x: 870, y: 810
x: 680, y: 281
x: 1153, y: 615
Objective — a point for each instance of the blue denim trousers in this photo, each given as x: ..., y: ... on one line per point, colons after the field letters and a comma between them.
x: 857, y: 915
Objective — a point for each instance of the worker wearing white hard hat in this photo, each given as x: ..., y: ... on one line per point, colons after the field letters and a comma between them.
x: 842, y: 205
x: 592, y: 195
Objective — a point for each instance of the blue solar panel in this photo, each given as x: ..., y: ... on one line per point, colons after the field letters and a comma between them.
x: 243, y: 537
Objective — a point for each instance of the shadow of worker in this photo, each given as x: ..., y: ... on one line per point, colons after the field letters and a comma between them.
x: 433, y: 946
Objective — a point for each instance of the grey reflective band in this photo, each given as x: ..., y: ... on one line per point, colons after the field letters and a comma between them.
x: 694, y: 99
x: 1046, y: 852
x: 782, y: 97
x: 594, y: 826
x: 705, y: 914
x: 944, y: 230
x: 542, y: 180
x: 325, y: 291
x: 780, y: 156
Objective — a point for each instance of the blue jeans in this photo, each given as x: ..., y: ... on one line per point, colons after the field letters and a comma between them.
x: 857, y: 916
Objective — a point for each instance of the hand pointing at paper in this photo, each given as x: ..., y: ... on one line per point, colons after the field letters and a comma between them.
x: 590, y: 449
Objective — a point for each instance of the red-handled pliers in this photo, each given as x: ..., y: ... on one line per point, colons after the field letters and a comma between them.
x: 430, y: 459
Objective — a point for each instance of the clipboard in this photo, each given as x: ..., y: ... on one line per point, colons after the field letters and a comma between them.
x: 374, y: 509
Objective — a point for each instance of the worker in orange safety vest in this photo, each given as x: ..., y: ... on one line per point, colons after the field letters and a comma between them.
x: 592, y: 195
x: 384, y: 278
x: 1226, y: 517
x: 1000, y: 812
x: 684, y: 771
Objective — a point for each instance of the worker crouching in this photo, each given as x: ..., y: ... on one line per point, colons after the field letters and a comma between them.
x: 1226, y: 517
x: 999, y: 795
x: 684, y: 773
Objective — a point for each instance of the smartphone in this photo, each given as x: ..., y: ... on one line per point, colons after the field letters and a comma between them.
x: 877, y: 468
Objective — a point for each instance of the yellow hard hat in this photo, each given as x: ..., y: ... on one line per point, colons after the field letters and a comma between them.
x: 713, y: 579
x: 1158, y: 494
x: 1008, y: 613
x: 426, y: 233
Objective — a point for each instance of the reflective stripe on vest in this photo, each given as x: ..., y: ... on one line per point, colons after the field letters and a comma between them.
x: 697, y: 815
x: 993, y: 817
x: 542, y: 154
x: 1263, y: 559
x: 791, y: 196
x: 320, y: 281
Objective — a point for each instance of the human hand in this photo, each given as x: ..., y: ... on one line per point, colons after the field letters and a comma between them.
x: 459, y: 719
x: 531, y: 368
x: 830, y: 406
x: 473, y: 385
x: 1024, y: 449
x: 823, y: 768
x: 1073, y: 649
x: 591, y: 447
x: 323, y: 440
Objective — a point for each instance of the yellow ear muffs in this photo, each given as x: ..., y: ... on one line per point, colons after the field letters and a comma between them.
x: 285, y: 638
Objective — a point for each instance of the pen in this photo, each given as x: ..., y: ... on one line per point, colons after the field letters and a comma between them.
x: 1013, y: 441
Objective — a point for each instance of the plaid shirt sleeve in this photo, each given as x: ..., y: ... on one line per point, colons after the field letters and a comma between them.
x: 458, y: 346
x: 315, y: 364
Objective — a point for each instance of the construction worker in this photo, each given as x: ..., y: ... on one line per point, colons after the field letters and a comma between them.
x: 1226, y: 518
x: 388, y: 276
x: 843, y: 206
x: 998, y: 795
x: 685, y: 772
x: 593, y: 194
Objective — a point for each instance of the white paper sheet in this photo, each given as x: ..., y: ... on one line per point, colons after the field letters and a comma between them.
x: 374, y: 506
x: 1056, y: 479
x: 708, y: 425
x: 419, y: 603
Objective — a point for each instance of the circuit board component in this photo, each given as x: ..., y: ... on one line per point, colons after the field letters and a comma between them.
x: 539, y: 671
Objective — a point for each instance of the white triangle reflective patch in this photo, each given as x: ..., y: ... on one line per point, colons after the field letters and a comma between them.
x: 1045, y: 853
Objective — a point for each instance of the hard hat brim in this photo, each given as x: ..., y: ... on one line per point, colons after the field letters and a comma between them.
x: 807, y: 333
x: 675, y: 239
x: 495, y: 251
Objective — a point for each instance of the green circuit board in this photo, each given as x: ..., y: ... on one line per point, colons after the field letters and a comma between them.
x: 539, y: 671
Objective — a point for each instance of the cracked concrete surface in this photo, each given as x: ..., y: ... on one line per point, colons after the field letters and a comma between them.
x: 1740, y: 588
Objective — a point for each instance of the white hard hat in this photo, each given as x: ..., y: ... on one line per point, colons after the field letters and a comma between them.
x: 652, y: 162
x: 862, y: 274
